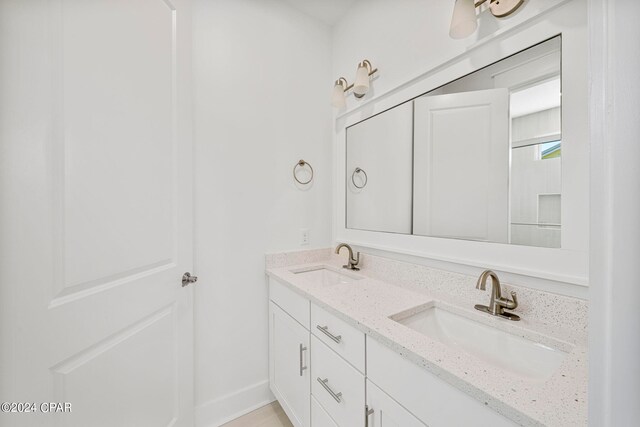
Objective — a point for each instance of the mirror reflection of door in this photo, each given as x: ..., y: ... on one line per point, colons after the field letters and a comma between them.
x: 461, y: 162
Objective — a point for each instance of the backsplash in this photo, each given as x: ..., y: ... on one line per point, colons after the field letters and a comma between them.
x: 284, y: 259
x: 555, y: 311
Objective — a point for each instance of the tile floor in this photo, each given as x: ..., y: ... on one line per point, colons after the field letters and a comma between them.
x: 271, y: 415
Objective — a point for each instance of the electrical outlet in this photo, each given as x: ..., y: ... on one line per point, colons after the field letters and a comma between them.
x: 304, y: 236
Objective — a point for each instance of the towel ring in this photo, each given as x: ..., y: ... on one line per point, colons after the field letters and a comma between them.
x: 302, y: 163
x: 353, y: 175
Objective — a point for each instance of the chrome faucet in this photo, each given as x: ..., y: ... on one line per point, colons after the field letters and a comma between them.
x: 497, y: 304
x: 352, y: 262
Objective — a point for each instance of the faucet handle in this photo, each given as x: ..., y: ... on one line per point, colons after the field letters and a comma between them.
x: 514, y: 301
x: 509, y: 304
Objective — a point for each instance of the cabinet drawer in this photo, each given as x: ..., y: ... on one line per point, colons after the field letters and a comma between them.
x: 295, y: 305
x: 336, y: 385
x: 319, y: 417
x: 338, y: 335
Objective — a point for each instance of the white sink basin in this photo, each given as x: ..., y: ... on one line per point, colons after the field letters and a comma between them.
x: 494, y: 346
x: 325, y: 276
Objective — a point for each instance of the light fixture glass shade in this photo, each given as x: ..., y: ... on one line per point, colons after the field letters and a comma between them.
x: 361, y: 86
x: 463, y: 21
x: 337, y: 96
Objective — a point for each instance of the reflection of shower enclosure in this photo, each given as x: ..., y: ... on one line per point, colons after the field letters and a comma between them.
x: 536, y: 174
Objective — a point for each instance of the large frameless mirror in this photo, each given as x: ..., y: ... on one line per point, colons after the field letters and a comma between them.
x: 476, y: 159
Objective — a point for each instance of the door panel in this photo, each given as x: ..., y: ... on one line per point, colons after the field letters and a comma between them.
x: 458, y: 136
x: 319, y: 417
x: 117, y: 147
x: 386, y: 411
x: 95, y: 211
x: 289, y: 352
x: 148, y: 349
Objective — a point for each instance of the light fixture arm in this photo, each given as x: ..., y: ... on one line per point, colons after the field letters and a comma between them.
x: 501, y: 10
x: 344, y: 83
x: 370, y: 68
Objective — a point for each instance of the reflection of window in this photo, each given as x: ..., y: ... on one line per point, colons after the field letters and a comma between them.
x: 549, y: 150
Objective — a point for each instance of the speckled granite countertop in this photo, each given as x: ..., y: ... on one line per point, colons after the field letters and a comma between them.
x: 560, y: 400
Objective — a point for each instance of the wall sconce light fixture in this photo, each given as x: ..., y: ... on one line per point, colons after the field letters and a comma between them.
x: 337, y: 97
x: 464, y: 21
x: 360, y: 87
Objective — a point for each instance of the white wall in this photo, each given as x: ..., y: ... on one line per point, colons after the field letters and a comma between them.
x: 262, y: 87
x: 404, y: 38
x: 400, y: 37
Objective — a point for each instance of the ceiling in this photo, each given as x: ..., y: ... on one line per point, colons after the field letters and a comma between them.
x: 536, y: 98
x: 327, y: 11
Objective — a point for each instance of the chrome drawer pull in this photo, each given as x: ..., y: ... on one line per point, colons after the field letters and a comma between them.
x: 336, y: 396
x: 325, y: 330
x: 302, y: 368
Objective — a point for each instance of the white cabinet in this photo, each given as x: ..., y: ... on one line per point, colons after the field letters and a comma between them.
x: 434, y: 401
x: 319, y: 417
x: 325, y: 373
x: 339, y: 336
x: 289, y: 373
x: 386, y: 412
x: 337, y: 385
x: 292, y: 303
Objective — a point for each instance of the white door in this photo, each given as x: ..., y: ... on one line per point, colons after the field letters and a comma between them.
x: 289, y: 371
x: 461, y: 166
x: 95, y: 212
x: 386, y: 412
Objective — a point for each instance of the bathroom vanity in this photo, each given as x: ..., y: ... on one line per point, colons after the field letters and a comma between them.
x: 480, y: 162
x: 353, y: 349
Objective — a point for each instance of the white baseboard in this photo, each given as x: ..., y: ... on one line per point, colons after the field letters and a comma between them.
x: 223, y: 409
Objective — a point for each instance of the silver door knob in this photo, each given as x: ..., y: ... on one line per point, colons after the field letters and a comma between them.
x: 187, y: 279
